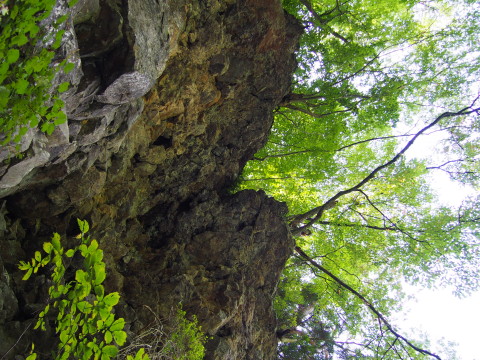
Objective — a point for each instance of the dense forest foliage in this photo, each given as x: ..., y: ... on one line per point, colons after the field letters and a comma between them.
x: 383, y: 106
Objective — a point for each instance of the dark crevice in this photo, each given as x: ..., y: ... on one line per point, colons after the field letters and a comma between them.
x: 164, y: 141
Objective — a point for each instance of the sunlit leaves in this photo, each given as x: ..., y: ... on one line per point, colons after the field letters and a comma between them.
x: 26, y: 70
x: 82, y: 300
x: 370, y: 75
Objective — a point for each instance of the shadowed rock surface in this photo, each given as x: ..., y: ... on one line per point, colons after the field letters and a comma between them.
x: 169, y: 100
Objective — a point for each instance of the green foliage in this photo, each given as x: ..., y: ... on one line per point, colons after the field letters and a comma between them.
x: 27, y: 99
x: 371, y: 75
x: 187, y: 340
x: 177, y: 338
x: 85, y: 323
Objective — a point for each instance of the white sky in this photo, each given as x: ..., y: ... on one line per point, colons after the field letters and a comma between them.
x: 440, y: 314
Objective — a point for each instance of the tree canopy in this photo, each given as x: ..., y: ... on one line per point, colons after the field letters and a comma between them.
x: 374, y: 80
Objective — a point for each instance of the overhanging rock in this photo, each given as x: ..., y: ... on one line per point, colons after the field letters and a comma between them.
x: 170, y: 99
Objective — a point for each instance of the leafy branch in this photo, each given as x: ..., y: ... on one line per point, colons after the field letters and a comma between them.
x: 85, y: 323
x: 316, y: 213
x: 27, y: 50
x: 366, y: 302
x: 323, y: 22
x: 299, y: 152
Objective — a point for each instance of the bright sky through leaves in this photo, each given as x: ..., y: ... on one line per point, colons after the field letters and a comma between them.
x: 374, y: 78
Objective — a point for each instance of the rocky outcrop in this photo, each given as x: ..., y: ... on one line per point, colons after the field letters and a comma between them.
x: 169, y: 100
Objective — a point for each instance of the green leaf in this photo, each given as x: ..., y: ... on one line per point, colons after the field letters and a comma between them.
x: 19, y: 40
x: 70, y: 253
x: 100, y: 273
x: 140, y: 355
x: 28, y: 274
x: 47, y: 247
x: 108, y: 337
x: 109, y: 320
x: 12, y: 55
x: 33, y: 29
x: 21, y: 86
x: 56, y: 242
x: 45, y: 260
x: 60, y: 290
x: 84, y: 307
x: 104, y: 312
x: 4, y: 96
x: 33, y: 121
x: 99, y: 291
x: 24, y: 265
x: 117, y: 325
x: 60, y: 118
x: 81, y: 276
x: 38, y: 256
x: 120, y: 337
x: 58, y: 39
x: 83, y: 226
x: 39, y: 324
x: 110, y: 351
x: 92, y: 247
x: 68, y: 67
x: 83, y: 249
x: 64, y: 336
x: 48, y: 128
x: 63, y: 87
x: 112, y: 299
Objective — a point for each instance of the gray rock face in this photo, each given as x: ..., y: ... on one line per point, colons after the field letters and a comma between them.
x: 126, y: 88
x: 169, y: 100
x: 97, y: 37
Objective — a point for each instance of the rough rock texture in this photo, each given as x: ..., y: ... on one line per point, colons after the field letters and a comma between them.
x: 170, y: 99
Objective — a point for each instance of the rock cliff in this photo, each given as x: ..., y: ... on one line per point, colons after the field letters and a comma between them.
x: 169, y: 99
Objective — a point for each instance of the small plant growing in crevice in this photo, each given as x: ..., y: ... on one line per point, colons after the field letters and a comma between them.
x: 85, y: 324
x: 175, y: 339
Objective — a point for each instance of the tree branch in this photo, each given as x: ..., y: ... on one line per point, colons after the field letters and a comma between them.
x: 336, y: 150
x: 280, y: 155
x: 304, y: 98
x: 445, y: 163
x: 366, y: 302
x: 276, y: 178
x: 385, y: 217
x: 316, y: 213
x: 316, y: 115
x: 322, y: 22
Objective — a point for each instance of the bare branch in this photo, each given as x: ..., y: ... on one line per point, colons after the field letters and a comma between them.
x: 281, y: 155
x: 276, y: 178
x: 295, y: 97
x: 316, y: 115
x: 446, y: 163
x: 395, y: 226
x: 381, y: 228
x: 336, y: 150
x: 373, y: 139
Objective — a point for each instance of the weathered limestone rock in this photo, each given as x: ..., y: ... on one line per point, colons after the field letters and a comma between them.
x: 169, y: 101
